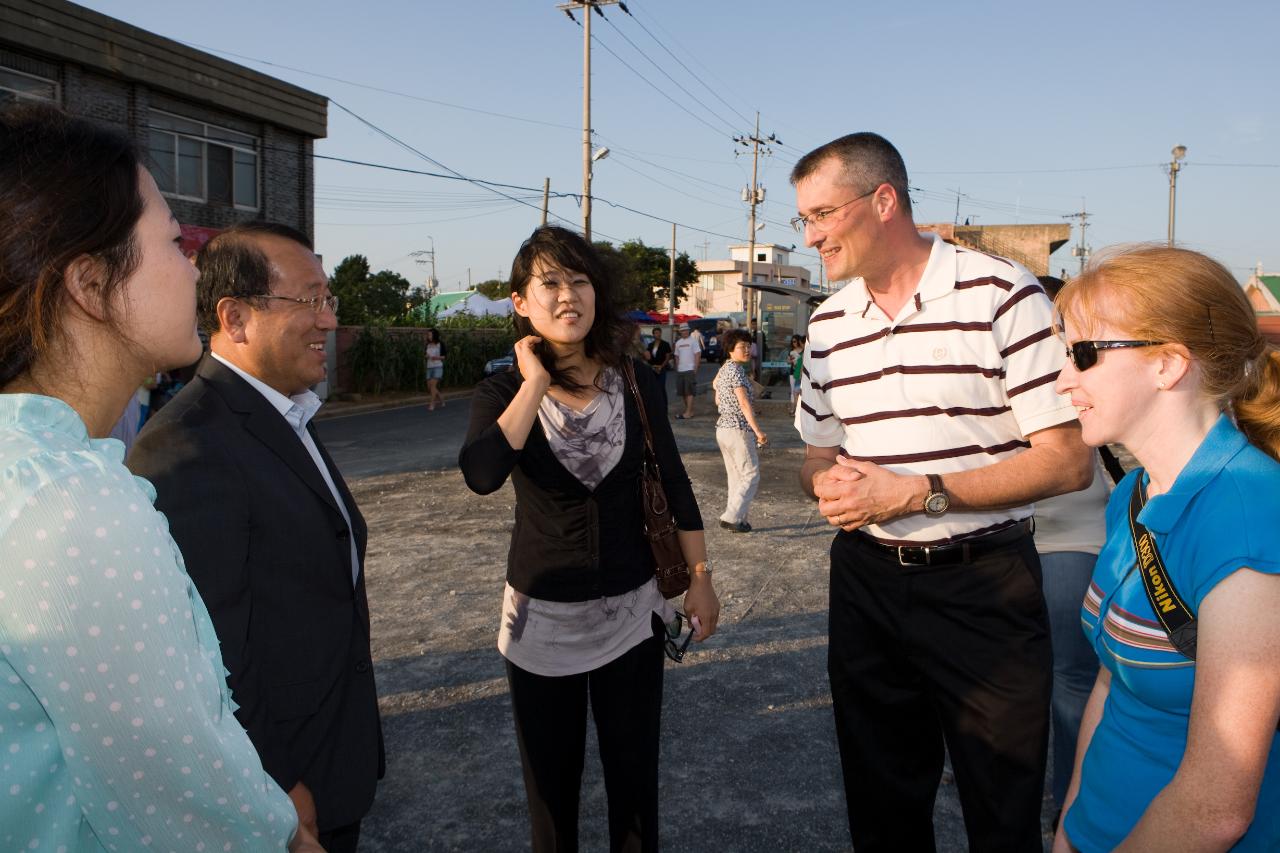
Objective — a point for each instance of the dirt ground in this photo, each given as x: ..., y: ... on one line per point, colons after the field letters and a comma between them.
x: 749, y: 760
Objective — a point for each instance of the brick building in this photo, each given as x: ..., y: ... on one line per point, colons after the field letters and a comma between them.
x: 225, y: 143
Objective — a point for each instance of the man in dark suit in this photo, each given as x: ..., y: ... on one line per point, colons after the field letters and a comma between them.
x: 268, y: 529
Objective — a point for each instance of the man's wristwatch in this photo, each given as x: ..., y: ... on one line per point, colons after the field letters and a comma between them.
x: 937, y: 501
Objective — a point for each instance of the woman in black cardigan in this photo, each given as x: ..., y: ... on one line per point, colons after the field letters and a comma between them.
x: 582, y: 616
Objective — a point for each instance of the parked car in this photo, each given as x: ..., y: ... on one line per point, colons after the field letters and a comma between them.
x: 711, y: 328
x: 501, y: 364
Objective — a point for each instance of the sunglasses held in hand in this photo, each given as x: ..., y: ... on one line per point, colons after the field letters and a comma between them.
x: 674, y: 629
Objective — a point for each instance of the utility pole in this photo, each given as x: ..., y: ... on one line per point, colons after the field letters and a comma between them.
x: 1179, y: 151
x: 671, y: 287
x: 546, y: 197
x: 432, y: 285
x: 586, y: 7
x: 755, y: 195
x: 1081, y: 250
x: 704, y: 245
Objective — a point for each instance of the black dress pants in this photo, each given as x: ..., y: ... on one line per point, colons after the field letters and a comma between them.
x: 342, y: 839
x: 922, y: 653
x: 551, y: 728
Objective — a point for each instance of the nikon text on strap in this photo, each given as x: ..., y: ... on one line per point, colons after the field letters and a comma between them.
x: 1176, y: 617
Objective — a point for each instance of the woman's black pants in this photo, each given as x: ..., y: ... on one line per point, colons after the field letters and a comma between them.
x: 551, y: 728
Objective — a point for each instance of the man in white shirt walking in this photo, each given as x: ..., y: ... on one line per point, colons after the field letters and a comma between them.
x: 688, y: 356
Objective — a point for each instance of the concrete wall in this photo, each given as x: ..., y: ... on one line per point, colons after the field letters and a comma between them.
x: 702, y: 298
x: 116, y: 74
x: 1029, y: 245
x: 92, y: 40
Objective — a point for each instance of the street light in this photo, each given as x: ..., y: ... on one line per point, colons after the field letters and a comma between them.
x: 1179, y: 152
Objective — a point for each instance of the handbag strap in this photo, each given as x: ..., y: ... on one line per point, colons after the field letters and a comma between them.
x: 1174, y: 615
x: 629, y: 373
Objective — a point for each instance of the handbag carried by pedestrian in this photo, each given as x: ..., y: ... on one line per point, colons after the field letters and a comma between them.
x: 669, y: 566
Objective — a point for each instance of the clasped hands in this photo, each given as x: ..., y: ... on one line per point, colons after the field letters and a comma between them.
x: 852, y: 494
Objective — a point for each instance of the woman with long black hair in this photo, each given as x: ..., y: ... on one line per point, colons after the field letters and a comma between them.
x: 582, y: 615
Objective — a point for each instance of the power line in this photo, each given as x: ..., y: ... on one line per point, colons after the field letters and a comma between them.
x: 677, y: 190
x: 727, y: 123
x: 378, y: 88
x: 641, y: 25
x: 713, y: 184
x: 717, y: 131
x: 1036, y: 171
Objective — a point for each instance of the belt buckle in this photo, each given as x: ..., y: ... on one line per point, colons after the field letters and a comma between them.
x: 923, y: 551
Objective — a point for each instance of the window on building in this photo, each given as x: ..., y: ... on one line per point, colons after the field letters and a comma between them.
x: 717, y: 281
x: 761, y: 256
x: 18, y: 85
x: 204, y: 162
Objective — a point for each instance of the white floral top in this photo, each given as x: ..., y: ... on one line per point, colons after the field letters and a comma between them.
x: 116, y: 723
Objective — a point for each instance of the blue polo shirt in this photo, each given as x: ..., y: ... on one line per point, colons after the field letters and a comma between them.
x: 1222, y: 513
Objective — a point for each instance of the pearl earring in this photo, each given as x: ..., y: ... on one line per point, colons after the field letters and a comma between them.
x: 1160, y: 385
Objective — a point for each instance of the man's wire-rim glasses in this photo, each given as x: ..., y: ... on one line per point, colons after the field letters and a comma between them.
x: 674, y: 627
x: 1084, y: 354
x: 315, y: 303
x: 818, y: 220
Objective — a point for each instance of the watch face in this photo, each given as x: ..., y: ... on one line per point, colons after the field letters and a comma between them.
x: 937, y: 503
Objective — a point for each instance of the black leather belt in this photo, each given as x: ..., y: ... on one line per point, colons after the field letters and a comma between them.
x: 953, y: 553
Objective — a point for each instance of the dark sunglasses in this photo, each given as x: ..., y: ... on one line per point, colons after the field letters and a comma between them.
x: 674, y: 628
x: 1084, y: 354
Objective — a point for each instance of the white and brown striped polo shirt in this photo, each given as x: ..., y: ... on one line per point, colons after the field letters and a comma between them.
x: 957, y: 381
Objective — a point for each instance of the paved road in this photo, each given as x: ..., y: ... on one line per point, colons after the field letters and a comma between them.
x: 748, y: 754
x: 415, y: 439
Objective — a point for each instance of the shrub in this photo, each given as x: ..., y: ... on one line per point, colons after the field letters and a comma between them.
x: 469, y: 349
x: 385, y: 361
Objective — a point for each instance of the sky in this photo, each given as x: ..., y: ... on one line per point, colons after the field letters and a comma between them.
x: 1027, y: 111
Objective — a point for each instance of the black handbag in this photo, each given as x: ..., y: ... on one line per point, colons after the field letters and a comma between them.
x: 669, y: 566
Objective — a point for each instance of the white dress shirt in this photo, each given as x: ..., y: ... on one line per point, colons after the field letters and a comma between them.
x: 298, y: 410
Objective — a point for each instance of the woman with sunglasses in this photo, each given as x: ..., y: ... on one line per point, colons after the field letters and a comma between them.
x: 582, y: 615
x: 1178, y: 746
x: 114, y: 705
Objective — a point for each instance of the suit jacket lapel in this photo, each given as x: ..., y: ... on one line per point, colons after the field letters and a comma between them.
x: 262, y: 421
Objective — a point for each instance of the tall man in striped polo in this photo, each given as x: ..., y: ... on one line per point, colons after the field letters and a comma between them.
x: 931, y: 425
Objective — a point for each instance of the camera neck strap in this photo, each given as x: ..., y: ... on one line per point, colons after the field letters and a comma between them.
x: 1174, y: 614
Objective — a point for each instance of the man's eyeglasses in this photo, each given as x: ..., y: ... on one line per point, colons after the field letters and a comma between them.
x: 1084, y: 354
x: 819, y: 220
x: 315, y: 303
x: 674, y: 627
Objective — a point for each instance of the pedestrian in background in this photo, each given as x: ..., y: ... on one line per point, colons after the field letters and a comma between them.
x: 435, y: 368
x: 582, y: 615
x: 113, y: 700
x: 688, y: 357
x: 795, y: 363
x: 738, y: 432
x: 659, y: 358
x: 1178, y: 746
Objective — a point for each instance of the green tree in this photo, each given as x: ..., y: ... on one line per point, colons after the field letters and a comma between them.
x: 346, y: 282
x: 386, y: 295
x: 494, y: 288
x: 368, y: 298
x: 642, y: 273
